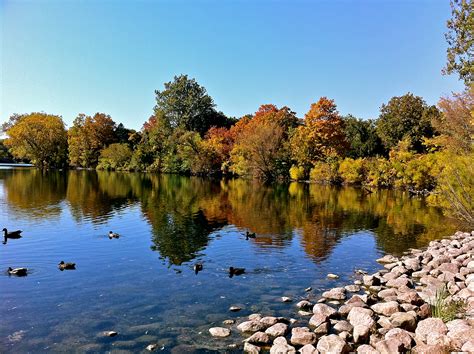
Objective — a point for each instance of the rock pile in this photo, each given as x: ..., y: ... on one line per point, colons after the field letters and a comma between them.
x: 386, y: 312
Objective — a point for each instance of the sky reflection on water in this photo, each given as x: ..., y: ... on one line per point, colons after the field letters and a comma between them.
x: 143, y: 284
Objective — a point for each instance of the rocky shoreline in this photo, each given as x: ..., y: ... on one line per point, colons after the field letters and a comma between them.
x: 422, y: 302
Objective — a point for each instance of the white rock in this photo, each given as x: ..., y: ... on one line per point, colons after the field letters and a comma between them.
x: 302, y: 336
x: 332, y: 344
x: 277, y: 330
x: 219, y: 332
x: 110, y: 333
x: 361, y: 316
x: 251, y: 326
x: 386, y: 308
x: 280, y: 346
x: 250, y: 348
x: 430, y: 325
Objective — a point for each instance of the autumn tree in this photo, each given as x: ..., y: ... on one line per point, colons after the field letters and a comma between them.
x: 40, y: 138
x: 221, y: 142
x: 456, y: 124
x: 88, y: 136
x: 259, y: 151
x: 261, y: 146
x: 406, y: 117
x: 460, y: 38
x: 321, y: 137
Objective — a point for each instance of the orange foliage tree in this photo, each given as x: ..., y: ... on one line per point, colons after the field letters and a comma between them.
x: 456, y: 124
x: 321, y: 137
x: 261, y: 143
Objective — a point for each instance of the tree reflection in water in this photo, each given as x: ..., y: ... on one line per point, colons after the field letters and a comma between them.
x: 185, y: 211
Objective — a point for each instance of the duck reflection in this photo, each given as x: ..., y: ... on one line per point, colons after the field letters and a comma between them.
x: 10, y: 234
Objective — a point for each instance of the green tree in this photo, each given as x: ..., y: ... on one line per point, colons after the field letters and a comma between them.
x: 362, y: 138
x: 460, y: 38
x: 126, y: 136
x: 407, y: 116
x: 115, y: 157
x: 5, y: 155
x: 185, y: 104
x: 40, y: 138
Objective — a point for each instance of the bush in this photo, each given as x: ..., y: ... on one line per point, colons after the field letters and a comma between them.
x: 352, y: 171
x: 297, y: 173
x: 115, y: 157
x: 412, y: 171
x: 325, y: 172
x: 454, y: 192
x: 379, y: 173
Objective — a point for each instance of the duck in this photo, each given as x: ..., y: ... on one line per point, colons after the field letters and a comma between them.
x: 62, y: 266
x: 113, y: 235
x: 19, y: 272
x: 235, y: 271
x: 198, y: 267
x: 11, y: 234
x: 250, y: 235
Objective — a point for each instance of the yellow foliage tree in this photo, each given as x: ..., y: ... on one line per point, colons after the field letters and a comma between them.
x: 40, y: 138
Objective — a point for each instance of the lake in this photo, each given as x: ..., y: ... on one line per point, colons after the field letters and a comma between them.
x: 143, y: 285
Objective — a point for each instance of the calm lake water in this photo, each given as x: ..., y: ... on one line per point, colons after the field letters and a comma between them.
x: 143, y: 286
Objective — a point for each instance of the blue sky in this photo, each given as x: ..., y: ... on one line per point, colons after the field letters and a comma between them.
x: 68, y: 57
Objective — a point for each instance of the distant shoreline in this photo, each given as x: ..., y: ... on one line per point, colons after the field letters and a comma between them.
x: 12, y: 164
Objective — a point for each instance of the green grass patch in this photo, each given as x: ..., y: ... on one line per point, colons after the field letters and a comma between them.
x: 445, y: 307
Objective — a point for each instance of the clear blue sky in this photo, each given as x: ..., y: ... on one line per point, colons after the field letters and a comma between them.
x: 69, y: 57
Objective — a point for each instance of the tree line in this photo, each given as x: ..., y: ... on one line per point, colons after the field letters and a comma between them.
x: 187, y: 135
x: 411, y: 144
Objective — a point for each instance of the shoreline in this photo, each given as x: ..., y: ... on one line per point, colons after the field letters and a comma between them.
x: 392, y: 310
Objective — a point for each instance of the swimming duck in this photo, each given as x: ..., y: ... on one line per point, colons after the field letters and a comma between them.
x: 19, y: 272
x: 197, y: 268
x: 11, y: 234
x: 62, y: 266
x: 250, y: 235
x: 235, y: 271
x: 113, y: 235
